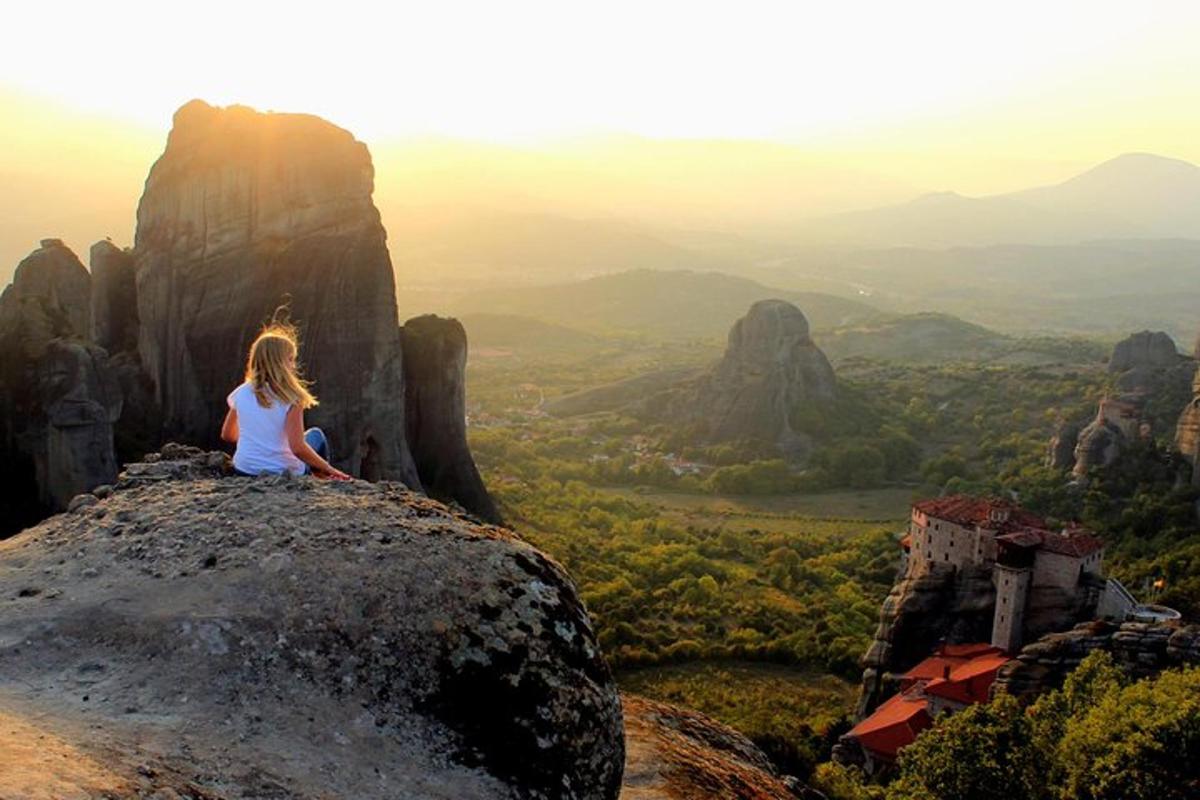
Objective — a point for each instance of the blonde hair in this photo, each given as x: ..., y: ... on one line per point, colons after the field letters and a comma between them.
x: 271, y: 368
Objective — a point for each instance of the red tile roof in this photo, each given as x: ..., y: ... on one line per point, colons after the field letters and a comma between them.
x: 970, y: 511
x: 963, y: 673
x: 1074, y: 542
x: 1021, y: 528
x: 947, y: 660
x: 894, y: 725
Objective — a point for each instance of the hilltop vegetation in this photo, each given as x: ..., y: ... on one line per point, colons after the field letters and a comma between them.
x: 1100, y: 737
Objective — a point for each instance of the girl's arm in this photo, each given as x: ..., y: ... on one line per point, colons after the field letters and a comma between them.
x: 294, y: 426
x: 229, y: 428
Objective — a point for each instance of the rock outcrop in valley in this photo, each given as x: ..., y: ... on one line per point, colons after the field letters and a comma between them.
x: 771, y: 371
x: 435, y: 411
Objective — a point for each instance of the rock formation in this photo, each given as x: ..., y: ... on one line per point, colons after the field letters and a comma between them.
x: 770, y: 373
x: 1099, y: 444
x: 1144, y: 350
x: 1187, y: 428
x: 1060, y: 453
x: 435, y: 412
x: 952, y: 606
x: 943, y: 604
x: 1141, y: 649
x: 114, y: 298
x: 674, y: 753
x: 237, y: 637
x: 58, y: 397
x: 1151, y: 380
x: 1187, y: 434
x: 242, y: 211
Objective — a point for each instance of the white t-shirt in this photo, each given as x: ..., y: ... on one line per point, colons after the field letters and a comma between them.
x: 262, y: 444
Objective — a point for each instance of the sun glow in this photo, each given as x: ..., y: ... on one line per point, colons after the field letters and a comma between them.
x: 521, y: 70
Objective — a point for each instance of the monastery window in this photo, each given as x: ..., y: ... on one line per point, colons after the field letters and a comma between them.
x: 947, y: 556
x: 1002, y: 618
x: 1004, y: 601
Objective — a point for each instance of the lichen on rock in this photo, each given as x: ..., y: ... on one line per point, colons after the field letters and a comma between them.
x: 324, y: 639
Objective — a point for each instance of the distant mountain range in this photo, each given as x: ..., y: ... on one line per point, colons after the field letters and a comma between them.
x: 1136, y: 195
x: 677, y: 304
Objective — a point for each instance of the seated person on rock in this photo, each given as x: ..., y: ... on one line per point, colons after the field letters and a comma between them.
x: 266, y: 413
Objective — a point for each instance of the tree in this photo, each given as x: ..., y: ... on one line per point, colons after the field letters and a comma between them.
x: 982, y: 753
x: 1139, y: 743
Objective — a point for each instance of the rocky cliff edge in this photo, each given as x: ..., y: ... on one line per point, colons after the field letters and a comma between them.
x: 198, y: 635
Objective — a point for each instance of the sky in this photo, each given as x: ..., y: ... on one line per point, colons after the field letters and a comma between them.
x: 1020, y: 77
x: 920, y: 96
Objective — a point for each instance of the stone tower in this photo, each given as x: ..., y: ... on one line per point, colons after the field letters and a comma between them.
x: 1012, y: 575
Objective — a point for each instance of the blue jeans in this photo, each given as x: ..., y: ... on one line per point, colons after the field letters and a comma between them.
x: 316, y: 439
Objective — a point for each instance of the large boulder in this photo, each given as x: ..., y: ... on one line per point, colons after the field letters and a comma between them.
x: 242, y: 212
x: 59, y: 397
x: 250, y: 637
x: 435, y: 413
x: 771, y: 373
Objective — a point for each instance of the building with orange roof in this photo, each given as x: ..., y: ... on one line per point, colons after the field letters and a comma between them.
x: 951, y: 679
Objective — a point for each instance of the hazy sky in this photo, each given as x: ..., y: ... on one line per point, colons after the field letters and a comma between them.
x: 1056, y: 79
x: 837, y: 105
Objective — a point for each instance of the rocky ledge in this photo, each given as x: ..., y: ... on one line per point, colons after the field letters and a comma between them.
x: 675, y: 753
x: 185, y: 633
x: 1141, y: 649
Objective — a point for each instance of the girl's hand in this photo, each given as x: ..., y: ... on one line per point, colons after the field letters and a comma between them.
x: 334, y: 474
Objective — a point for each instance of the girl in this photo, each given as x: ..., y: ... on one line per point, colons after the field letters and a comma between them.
x: 266, y: 413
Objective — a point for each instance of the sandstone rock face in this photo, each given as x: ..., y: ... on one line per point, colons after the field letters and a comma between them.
x: 435, y: 359
x: 253, y: 637
x: 770, y: 372
x: 942, y: 604
x: 1187, y: 432
x: 242, y: 211
x: 674, y: 753
x: 954, y: 606
x: 1098, y: 446
x: 1141, y: 649
x: 49, y: 297
x: 58, y: 396
x: 1060, y: 453
x: 114, y: 298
